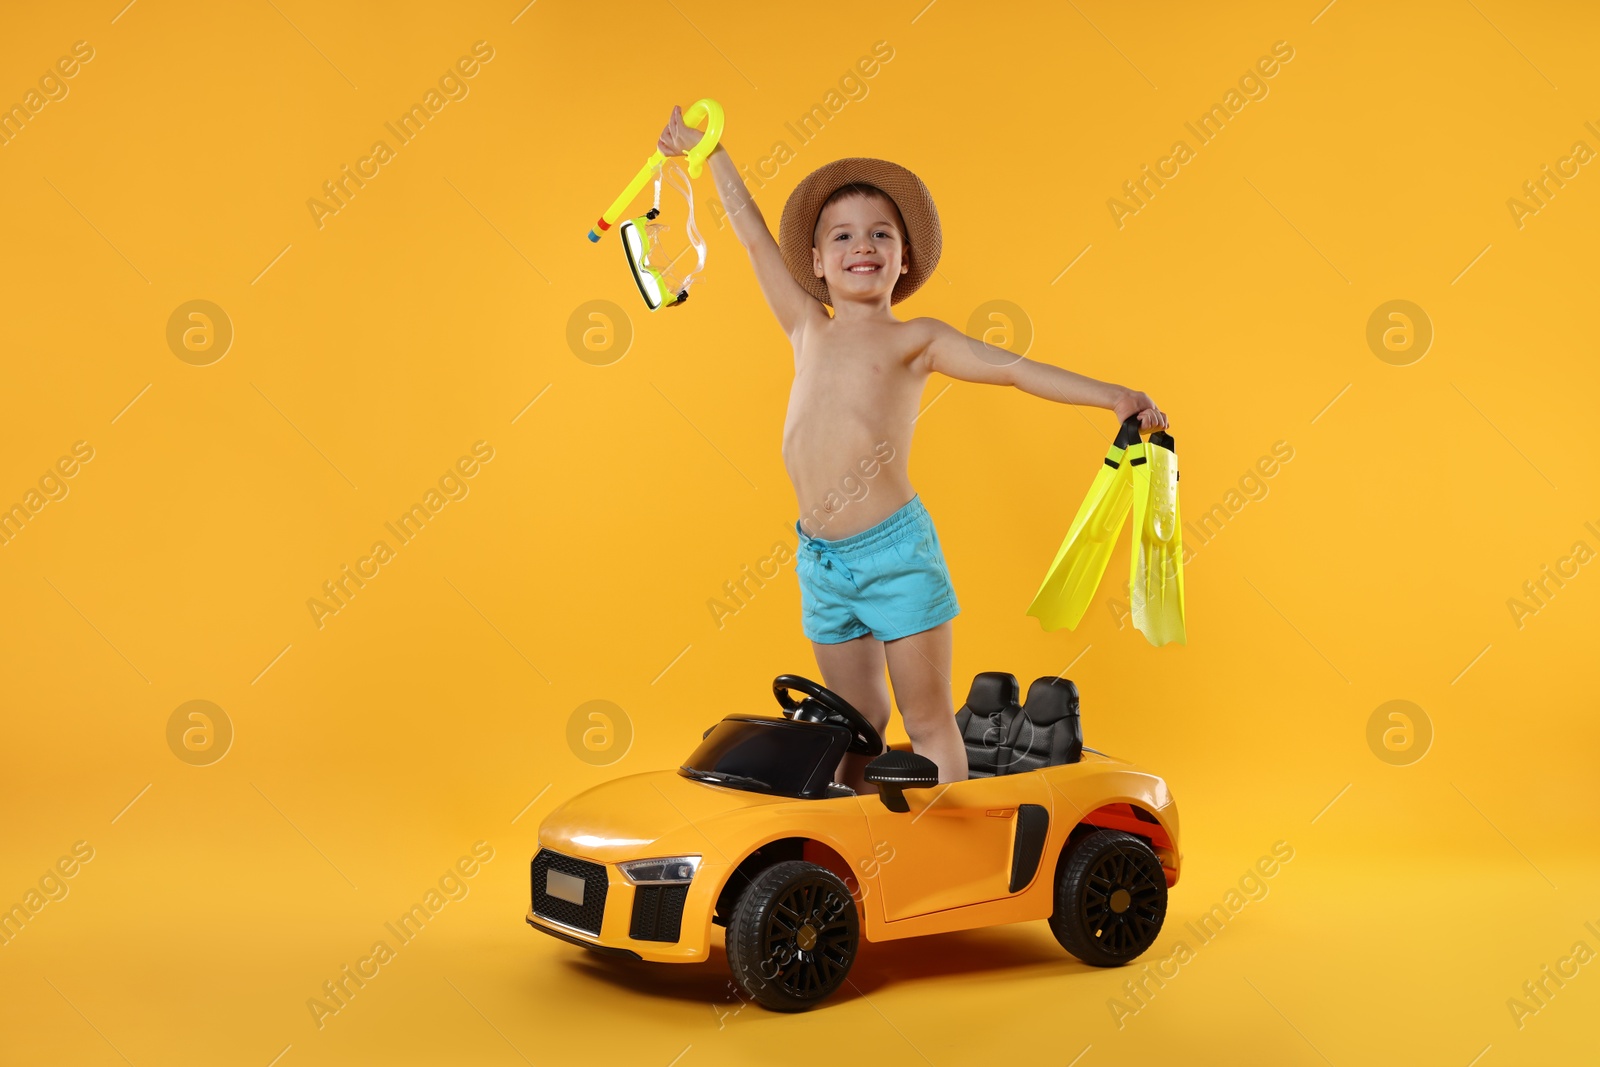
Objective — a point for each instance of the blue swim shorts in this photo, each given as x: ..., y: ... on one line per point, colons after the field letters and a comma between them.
x: 889, y: 580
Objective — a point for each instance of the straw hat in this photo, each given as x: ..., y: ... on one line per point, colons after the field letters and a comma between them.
x: 800, y: 213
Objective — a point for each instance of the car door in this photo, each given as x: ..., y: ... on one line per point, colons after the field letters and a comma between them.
x: 954, y: 846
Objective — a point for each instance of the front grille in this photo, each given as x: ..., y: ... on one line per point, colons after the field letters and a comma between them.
x: 657, y: 912
x: 585, y: 916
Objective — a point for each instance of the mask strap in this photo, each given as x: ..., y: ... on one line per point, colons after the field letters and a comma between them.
x: 686, y: 187
x: 655, y: 206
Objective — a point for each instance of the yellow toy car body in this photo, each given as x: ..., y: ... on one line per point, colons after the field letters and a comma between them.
x: 797, y: 866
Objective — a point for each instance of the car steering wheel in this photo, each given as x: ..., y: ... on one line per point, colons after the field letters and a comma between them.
x: 824, y: 705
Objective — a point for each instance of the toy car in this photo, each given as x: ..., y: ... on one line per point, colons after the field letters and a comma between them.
x: 752, y: 834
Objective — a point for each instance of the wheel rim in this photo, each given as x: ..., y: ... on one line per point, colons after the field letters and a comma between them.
x: 808, y: 938
x: 1121, y: 904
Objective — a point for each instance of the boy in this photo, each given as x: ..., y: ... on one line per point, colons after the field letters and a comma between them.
x: 861, y: 235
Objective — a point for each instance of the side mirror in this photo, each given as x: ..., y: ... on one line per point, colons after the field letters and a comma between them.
x: 896, y: 771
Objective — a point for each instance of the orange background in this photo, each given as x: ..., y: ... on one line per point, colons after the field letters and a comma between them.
x: 432, y: 710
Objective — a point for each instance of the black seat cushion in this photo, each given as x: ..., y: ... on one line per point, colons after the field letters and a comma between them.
x: 986, y: 720
x: 1048, y: 732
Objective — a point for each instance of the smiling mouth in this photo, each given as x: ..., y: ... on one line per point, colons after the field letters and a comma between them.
x: 863, y: 268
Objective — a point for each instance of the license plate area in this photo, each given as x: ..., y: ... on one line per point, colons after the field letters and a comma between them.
x: 564, y: 886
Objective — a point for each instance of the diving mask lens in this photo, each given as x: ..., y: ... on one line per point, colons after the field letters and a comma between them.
x: 637, y: 243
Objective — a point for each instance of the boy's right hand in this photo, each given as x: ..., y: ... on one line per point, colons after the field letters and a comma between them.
x: 678, y: 137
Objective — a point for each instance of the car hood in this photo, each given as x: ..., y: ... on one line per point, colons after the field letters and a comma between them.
x: 641, y: 815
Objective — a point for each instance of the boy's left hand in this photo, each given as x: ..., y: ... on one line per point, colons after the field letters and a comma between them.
x: 1135, y: 402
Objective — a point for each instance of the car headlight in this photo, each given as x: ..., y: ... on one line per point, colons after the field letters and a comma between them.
x: 670, y: 870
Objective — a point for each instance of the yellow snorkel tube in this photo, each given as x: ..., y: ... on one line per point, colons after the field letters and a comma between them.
x: 707, y: 111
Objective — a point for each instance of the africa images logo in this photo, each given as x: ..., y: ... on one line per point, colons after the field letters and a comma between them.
x: 452, y: 485
x: 452, y: 85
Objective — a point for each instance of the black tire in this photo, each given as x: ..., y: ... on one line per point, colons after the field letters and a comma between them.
x: 1111, y: 898
x: 793, y: 936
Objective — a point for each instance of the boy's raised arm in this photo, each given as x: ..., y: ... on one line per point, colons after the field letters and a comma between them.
x: 791, y: 304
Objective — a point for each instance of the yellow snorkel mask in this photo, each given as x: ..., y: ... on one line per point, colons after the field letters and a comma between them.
x: 662, y: 286
x: 656, y: 275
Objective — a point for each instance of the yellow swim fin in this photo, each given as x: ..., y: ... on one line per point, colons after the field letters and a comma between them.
x: 1157, y: 569
x: 1074, y: 575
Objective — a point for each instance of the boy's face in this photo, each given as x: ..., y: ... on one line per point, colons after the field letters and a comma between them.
x: 859, y: 248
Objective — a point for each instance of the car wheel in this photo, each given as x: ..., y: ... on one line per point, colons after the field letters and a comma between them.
x: 1111, y: 898
x: 793, y: 936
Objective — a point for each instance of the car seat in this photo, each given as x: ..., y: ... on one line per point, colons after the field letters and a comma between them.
x: 987, y: 720
x: 1049, y: 731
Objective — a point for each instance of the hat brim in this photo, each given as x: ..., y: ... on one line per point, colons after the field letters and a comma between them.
x: 796, y: 229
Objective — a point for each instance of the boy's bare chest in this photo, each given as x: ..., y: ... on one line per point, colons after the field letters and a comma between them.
x: 858, y: 366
